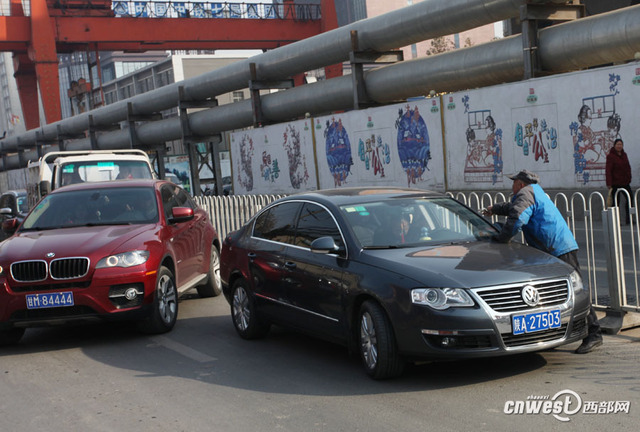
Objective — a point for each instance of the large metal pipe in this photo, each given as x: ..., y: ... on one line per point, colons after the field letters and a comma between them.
x: 402, y: 27
x: 482, y: 65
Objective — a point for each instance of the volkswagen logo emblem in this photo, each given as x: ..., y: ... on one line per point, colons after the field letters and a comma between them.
x: 51, y: 255
x: 530, y: 295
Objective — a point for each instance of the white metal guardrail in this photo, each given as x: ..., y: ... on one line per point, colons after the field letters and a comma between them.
x: 609, y: 252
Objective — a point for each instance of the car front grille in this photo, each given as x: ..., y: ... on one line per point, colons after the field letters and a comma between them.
x: 29, y: 271
x: 60, y: 286
x: 508, y: 298
x: 38, y: 270
x: 511, y: 340
x: 69, y: 268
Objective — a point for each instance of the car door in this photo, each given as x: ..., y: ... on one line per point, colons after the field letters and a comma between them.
x: 272, y: 232
x: 182, y: 235
x: 197, y: 231
x: 314, y: 282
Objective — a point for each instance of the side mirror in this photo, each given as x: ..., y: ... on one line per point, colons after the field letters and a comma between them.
x: 181, y: 214
x: 324, y: 245
x: 6, y: 211
x: 45, y: 187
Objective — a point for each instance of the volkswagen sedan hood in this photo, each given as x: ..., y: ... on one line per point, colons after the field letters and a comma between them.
x: 468, y: 265
x: 77, y: 241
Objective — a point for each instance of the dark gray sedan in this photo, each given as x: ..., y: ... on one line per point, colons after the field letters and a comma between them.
x: 397, y: 275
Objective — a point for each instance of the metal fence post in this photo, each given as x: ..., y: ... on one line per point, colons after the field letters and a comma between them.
x: 613, y: 321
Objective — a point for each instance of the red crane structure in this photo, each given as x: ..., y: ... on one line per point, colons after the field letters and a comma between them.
x: 64, y: 26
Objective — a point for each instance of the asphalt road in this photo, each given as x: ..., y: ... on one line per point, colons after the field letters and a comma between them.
x: 203, y: 377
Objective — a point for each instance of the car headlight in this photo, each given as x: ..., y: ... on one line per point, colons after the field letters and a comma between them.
x: 576, y: 281
x: 125, y: 259
x: 441, y: 298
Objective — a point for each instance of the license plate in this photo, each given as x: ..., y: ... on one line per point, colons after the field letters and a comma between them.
x: 51, y: 300
x: 534, y: 322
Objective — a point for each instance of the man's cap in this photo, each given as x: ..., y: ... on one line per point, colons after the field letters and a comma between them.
x: 525, y: 176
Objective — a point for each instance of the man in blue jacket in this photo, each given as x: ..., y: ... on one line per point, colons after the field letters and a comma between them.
x: 532, y: 212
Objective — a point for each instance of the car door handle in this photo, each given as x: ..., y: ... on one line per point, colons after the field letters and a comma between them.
x: 290, y: 265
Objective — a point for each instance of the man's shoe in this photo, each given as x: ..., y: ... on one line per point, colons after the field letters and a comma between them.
x: 588, y: 345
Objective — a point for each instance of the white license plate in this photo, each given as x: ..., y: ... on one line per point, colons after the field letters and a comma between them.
x: 534, y: 322
x: 50, y: 300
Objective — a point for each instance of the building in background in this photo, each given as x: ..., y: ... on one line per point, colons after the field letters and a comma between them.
x: 10, y: 111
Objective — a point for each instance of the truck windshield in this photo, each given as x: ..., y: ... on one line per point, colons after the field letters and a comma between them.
x: 105, y: 170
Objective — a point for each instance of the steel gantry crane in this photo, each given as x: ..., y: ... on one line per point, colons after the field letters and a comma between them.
x: 48, y: 27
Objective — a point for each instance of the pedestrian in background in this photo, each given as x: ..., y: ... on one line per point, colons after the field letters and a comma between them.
x: 532, y: 212
x: 618, y: 172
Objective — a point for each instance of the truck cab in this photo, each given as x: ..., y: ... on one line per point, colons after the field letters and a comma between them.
x: 57, y: 169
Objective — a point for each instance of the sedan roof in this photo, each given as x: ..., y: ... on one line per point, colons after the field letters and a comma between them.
x: 363, y: 194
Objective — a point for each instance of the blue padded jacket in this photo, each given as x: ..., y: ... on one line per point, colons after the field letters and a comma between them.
x: 531, y: 211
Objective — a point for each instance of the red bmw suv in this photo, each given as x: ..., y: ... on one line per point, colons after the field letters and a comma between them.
x: 113, y: 250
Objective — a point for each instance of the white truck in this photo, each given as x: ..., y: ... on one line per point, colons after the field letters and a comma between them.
x: 56, y: 169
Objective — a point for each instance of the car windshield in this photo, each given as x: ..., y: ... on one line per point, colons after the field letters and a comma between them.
x: 108, y: 206
x: 400, y: 222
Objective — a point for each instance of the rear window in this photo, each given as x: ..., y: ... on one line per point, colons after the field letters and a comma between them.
x: 96, y: 171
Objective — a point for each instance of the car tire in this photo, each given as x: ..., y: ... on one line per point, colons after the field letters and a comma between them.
x: 164, y: 312
x: 376, y: 342
x: 212, y: 287
x: 244, y: 314
x: 11, y: 336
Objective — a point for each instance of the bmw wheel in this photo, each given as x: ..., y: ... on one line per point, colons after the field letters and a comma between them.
x: 212, y: 287
x: 377, y: 343
x: 244, y: 314
x: 165, y: 304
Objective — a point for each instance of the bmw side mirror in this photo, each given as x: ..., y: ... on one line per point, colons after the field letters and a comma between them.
x: 324, y: 245
x: 181, y: 214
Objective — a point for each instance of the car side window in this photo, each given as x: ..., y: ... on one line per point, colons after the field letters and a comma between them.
x: 277, y: 223
x: 168, y: 203
x: 183, y: 199
x: 315, y: 222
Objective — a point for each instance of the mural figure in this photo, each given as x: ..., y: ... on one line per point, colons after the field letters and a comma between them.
x: 374, y: 154
x: 338, y: 149
x: 413, y: 144
x: 298, y: 173
x: 245, y: 173
x: 536, y: 138
x: 593, y: 135
x: 270, y: 171
x: 484, y: 148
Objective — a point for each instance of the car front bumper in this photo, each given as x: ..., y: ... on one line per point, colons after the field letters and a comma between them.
x: 99, y: 298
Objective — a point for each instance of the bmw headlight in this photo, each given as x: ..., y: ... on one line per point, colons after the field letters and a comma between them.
x: 125, y: 259
x: 441, y: 298
x: 576, y: 281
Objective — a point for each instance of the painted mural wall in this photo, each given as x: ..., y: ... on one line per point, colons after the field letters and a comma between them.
x: 277, y: 159
x: 561, y: 127
x: 395, y: 145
